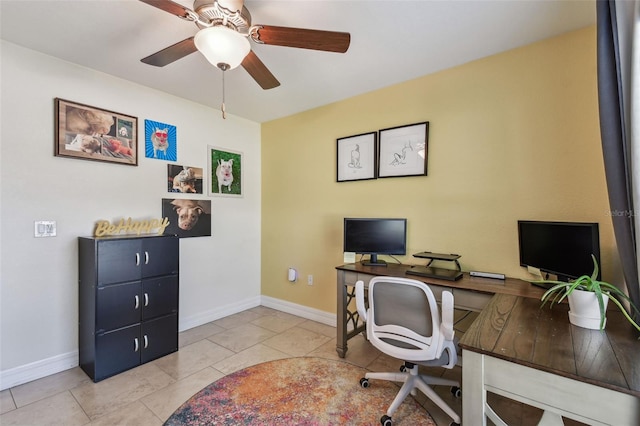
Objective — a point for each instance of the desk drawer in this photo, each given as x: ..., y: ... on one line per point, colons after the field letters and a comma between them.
x: 349, y: 278
x: 437, y: 292
x: 471, y: 300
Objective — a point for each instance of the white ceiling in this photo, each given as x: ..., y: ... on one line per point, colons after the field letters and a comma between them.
x: 391, y: 42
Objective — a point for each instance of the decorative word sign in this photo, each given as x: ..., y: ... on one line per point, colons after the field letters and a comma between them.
x: 104, y: 227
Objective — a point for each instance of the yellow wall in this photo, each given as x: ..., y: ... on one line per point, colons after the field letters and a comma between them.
x: 512, y: 136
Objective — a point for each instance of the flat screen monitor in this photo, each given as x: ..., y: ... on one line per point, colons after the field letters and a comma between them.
x: 374, y: 237
x: 560, y: 248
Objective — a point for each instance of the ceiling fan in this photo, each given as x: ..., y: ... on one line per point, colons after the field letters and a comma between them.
x: 223, y: 38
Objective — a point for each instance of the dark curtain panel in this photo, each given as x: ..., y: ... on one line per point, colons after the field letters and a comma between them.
x: 615, y: 145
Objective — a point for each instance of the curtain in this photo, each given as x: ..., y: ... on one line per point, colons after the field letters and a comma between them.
x: 618, y: 45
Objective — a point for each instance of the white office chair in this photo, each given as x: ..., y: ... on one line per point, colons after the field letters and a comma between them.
x: 403, y: 321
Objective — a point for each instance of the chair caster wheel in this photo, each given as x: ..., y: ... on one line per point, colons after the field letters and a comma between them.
x: 364, y: 382
x: 403, y: 369
x: 385, y: 420
x: 457, y: 392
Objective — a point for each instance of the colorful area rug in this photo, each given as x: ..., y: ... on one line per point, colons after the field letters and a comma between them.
x: 297, y: 391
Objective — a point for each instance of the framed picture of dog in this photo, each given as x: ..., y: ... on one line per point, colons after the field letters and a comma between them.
x: 356, y: 157
x: 403, y: 151
x: 90, y: 133
x: 225, y: 172
x: 184, y: 179
x: 187, y: 218
x: 160, y: 141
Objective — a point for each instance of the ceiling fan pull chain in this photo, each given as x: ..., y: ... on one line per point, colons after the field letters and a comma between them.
x: 223, y: 109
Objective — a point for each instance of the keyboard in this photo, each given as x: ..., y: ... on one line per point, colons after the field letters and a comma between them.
x: 438, y: 273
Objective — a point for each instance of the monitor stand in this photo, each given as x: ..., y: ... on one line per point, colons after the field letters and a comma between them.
x: 373, y: 261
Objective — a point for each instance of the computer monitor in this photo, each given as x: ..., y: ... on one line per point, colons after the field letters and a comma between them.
x: 374, y: 237
x: 560, y: 248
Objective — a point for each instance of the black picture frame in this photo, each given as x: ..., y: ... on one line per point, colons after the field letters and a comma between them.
x: 356, y: 157
x: 403, y: 150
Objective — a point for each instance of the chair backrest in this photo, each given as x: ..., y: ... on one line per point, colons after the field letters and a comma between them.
x: 403, y: 319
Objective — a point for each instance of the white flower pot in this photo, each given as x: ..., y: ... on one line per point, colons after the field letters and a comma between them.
x: 584, y: 310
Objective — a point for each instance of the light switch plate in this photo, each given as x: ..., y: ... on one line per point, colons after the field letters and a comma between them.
x: 44, y: 228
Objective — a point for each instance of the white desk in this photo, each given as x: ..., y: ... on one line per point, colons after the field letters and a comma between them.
x: 535, y: 356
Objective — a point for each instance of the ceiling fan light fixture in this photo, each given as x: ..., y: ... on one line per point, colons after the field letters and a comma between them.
x: 222, y: 45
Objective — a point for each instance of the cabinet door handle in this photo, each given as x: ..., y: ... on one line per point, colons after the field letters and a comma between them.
x: 137, y: 299
x: 146, y: 257
x: 146, y: 299
x: 146, y: 341
x: 137, y: 259
x: 136, y: 345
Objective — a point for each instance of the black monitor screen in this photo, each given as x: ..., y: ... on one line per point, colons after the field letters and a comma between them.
x: 560, y: 248
x: 375, y: 236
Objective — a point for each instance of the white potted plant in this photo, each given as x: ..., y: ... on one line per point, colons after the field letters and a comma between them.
x: 588, y: 299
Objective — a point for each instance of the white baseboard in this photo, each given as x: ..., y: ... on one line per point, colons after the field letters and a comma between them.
x: 300, y: 310
x: 46, y: 367
x: 216, y: 314
x: 36, y: 370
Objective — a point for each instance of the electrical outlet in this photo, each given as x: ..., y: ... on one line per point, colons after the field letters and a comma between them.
x: 310, y: 279
x: 44, y: 228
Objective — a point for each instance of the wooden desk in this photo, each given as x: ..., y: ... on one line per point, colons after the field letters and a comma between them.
x: 535, y: 356
x: 470, y: 293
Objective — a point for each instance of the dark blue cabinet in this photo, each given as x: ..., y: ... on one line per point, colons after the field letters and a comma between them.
x: 128, y: 302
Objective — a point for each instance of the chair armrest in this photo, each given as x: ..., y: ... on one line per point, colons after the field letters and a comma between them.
x: 360, y: 302
x: 447, y: 315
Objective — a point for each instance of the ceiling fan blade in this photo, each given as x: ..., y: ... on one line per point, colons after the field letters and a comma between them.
x: 328, y: 41
x: 259, y: 71
x: 171, y: 53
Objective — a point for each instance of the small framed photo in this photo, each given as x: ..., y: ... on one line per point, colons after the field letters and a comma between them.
x: 184, y: 179
x: 404, y: 151
x: 90, y: 133
x: 160, y: 141
x: 356, y: 157
x: 187, y: 218
x: 225, y: 172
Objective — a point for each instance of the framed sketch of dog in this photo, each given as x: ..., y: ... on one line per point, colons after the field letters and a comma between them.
x: 403, y: 151
x: 225, y: 172
x: 356, y: 157
x: 91, y: 133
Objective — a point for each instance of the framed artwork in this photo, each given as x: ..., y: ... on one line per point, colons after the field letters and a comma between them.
x: 184, y: 179
x: 160, y: 141
x: 187, y: 218
x: 404, y: 150
x: 225, y: 172
x: 91, y: 133
x: 356, y: 157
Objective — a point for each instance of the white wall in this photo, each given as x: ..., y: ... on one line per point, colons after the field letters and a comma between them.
x: 38, y: 276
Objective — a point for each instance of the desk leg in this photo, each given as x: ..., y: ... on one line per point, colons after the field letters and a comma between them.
x: 341, y: 326
x: 474, y: 396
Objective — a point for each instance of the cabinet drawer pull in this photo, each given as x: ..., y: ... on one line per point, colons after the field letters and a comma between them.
x: 146, y: 257
x: 146, y: 299
x: 146, y: 341
x: 137, y: 259
x: 136, y: 345
x: 137, y: 299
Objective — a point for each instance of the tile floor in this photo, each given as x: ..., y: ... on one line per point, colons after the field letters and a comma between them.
x: 149, y: 394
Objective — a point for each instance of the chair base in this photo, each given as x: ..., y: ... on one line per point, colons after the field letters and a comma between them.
x: 412, y: 380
